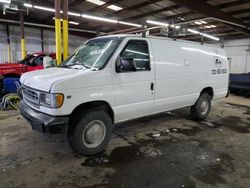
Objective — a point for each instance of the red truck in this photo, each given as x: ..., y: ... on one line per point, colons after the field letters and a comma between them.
x: 30, y: 63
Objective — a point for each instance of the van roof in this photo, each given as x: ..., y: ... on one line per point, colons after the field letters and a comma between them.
x: 156, y: 37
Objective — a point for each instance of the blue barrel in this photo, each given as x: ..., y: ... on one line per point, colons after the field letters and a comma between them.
x: 9, y: 84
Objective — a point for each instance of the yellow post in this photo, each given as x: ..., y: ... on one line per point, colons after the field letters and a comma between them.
x: 8, y: 43
x: 58, y: 41
x: 9, y: 54
x: 65, y: 29
x: 65, y: 39
x: 23, y: 48
x: 22, y: 34
x: 58, y: 31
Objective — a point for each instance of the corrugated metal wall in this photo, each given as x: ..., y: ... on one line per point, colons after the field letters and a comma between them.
x: 239, y: 56
x: 33, y: 42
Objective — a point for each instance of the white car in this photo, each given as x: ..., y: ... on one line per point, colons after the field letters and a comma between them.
x: 117, y: 78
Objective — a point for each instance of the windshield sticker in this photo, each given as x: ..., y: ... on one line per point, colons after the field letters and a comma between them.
x: 96, y: 52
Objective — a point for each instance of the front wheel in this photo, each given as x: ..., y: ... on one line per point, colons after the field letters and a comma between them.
x: 202, y: 107
x: 91, y: 133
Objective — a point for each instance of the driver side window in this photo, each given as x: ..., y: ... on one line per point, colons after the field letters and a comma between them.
x: 137, y: 50
x: 38, y: 61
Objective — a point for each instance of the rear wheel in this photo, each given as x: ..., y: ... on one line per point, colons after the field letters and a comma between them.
x: 247, y: 93
x: 91, y: 133
x: 202, y: 107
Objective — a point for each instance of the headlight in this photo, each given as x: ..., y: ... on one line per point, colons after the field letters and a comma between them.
x: 51, y: 100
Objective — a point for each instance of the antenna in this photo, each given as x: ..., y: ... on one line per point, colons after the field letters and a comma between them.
x: 143, y: 28
x: 248, y: 49
x: 222, y: 43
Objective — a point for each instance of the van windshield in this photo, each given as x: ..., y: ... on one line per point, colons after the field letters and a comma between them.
x: 94, y: 54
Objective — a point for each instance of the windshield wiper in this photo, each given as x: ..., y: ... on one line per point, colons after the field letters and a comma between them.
x: 76, y: 64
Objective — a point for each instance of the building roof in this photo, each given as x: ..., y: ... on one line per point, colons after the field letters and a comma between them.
x: 222, y: 18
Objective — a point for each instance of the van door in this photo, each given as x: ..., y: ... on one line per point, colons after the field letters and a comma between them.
x: 133, y: 80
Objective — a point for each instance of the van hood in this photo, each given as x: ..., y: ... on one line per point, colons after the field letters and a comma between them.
x: 44, y: 79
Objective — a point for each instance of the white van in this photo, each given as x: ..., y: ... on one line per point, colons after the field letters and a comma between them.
x: 117, y: 78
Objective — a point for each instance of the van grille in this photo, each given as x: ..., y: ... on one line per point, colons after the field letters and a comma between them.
x: 30, y: 96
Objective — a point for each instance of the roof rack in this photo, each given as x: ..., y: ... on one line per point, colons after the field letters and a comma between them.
x: 180, y: 30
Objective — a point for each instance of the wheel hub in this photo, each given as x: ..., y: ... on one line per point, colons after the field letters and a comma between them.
x: 204, y: 107
x: 94, y: 134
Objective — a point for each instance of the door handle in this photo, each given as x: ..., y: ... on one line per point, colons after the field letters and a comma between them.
x: 152, y: 86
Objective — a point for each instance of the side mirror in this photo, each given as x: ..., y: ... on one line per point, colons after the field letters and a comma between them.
x: 125, y: 65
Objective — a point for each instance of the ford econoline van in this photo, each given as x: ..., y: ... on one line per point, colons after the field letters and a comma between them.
x: 113, y: 79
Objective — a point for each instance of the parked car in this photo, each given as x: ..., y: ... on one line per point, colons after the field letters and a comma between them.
x: 14, y: 70
x: 30, y: 63
x: 240, y: 84
x: 117, y: 78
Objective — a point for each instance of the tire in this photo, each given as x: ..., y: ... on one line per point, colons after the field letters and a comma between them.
x: 90, y: 132
x: 247, y: 94
x: 202, y: 107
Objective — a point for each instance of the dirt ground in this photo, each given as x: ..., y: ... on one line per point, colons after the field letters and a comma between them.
x: 167, y: 150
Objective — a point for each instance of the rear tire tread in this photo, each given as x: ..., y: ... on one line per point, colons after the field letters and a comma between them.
x: 195, y: 110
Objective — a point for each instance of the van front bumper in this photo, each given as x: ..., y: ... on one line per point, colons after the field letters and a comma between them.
x: 43, y: 122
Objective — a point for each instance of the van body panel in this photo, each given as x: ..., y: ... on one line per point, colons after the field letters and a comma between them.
x: 183, y: 70
x: 132, y: 92
x: 84, y: 86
